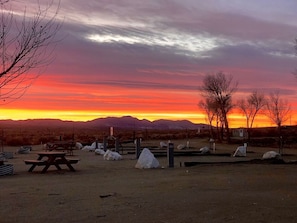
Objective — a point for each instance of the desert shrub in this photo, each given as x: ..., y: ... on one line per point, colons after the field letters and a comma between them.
x: 289, y: 140
x: 201, y: 135
x: 44, y: 139
x: 238, y: 140
x: 263, y: 132
x: 263, y: 142
x: 17, y: 141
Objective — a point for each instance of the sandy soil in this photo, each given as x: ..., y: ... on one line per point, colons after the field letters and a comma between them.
x: 115, y: 191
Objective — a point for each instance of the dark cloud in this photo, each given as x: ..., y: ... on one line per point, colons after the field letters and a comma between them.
x: 143, y: 85
x: 169, y: 45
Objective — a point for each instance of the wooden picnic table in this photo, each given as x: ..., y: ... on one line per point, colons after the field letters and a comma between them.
x: 68, y: 146
x: 51, y: 158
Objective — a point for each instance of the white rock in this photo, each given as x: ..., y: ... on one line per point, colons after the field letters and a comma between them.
x: 146, y: 160
x: 271, y: 155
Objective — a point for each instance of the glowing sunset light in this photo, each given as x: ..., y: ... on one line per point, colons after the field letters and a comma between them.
x: 17, y: 114
x: 147, y: 59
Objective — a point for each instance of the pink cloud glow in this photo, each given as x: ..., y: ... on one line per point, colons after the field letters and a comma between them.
x: 148, y: 58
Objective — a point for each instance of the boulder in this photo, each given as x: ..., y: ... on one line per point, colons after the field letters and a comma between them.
x: 240, y: 151
x: 109, y: 155
x: 204, y: 150
x: 181, y: 147
x: 147, y: 160
x: 271, y: 155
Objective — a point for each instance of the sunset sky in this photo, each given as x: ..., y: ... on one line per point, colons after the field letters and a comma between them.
x: 147, y: 58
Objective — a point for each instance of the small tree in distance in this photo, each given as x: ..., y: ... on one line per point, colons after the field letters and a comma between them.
x: 210, y: 110
x: 26, y: 45
x: 250, y: 107
x: 278, y: 111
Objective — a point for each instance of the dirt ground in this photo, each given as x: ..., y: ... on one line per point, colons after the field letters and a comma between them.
x: 115, y: 191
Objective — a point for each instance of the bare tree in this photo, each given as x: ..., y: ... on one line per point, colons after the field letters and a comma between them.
x: 278, y: 111
x: 250, y: 107
x: 219, y: 89
x: 211, y: 111
x: 27, y: 42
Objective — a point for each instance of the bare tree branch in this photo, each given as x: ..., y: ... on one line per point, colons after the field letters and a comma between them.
x: 219, y: 88
x: 278, y: 109
x: 251, y: 106
x: 27, y: 45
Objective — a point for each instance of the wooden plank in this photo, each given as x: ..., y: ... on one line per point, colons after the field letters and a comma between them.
x: 71, y: 161
x: 35, y: 162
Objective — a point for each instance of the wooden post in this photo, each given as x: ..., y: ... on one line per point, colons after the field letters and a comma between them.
x: 104, y: 143
x: 137, y: 147
x: 117, y: 145
x: 170, y: 154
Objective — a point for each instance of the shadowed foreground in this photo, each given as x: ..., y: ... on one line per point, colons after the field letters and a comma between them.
x: 114, y: 191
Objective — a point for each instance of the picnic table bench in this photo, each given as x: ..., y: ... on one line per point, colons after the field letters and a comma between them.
x: 53, y: 159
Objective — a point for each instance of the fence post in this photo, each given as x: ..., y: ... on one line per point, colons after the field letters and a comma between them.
x: 170, y: 154
x: 104, y: 143
x: 117, y: 144
x: 137, y: 152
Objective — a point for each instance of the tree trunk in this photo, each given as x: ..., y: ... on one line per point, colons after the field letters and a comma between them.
x: 226, y: 126
x: 280, y: 138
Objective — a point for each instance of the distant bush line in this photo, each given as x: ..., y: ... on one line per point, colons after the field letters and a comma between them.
x: 267, y: 137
